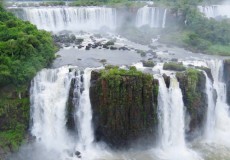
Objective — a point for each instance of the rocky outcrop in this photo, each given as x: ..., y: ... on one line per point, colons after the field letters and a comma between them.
x: 227, y: 78
x: 70, y: 123
x: 124, y: 106
x: 75, y: 91
x: 192, y: 84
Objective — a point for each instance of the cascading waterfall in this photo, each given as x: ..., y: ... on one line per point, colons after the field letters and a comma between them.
x: 69, y: 18
x: 211, y: 108
x: 152, y: 16
x: 221, y: 117
x: 215, y: 10
x: 172, y: 144
x: 171, y: 114
x: 49, y: 94
x: 84, y: 115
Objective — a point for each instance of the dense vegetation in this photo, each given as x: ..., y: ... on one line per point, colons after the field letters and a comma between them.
x: 117, y: 3
x: 196, y: 32
x: 124, y: 104
x: 23, y: 50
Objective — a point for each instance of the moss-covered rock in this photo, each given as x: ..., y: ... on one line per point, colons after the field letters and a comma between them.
x: 124, y: 104
x: 14, y: 118
x: 148, y: 64
x: 192, y: 84
x: 174, y: 66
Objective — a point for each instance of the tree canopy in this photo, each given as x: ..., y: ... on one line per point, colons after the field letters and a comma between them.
x: 23, y: 49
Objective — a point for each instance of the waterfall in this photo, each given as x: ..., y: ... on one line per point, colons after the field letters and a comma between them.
x: 215, y: 10
x: 69, y: 18
x: 152, y: 16
x: 171, y: 114
x: 172, y: 144
x: 84, y: 114
x: 49, y: 94
x: 222, y: 119
x: 210, y: 122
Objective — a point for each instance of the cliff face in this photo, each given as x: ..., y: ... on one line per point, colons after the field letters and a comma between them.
x: 192, y: 84
x: 124, y: 106
x: 14, y: 118
x: 227, y: 78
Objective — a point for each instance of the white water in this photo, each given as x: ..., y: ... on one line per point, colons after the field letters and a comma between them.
x: 152, y: 16
x: 171, y: 123
x: 210, y: 124
x: 215, y: 10
x: 70, y: 18
x: 49, y: 94
x: 221, y: 132
x: 84, y: 115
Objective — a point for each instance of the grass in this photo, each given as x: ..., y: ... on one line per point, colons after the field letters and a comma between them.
x: 219, y: 50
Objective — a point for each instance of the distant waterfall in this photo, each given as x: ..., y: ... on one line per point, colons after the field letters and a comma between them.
x: 221, y: 130
x: 153, y: 16
x: 69, y: 18
x: 215, y: 10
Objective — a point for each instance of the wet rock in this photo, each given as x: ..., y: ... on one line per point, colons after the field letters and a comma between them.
x: 207, y: 70
x: 78, y: 41
x: 78, y: 154
x: 70, y: 123
x: 113, y: 48
x: 87, y: 47
x: 227, y: 78
x: 174, y: 60
x: 105, y: 46
x: 148, y: 63
x: 123, y: 48
x: 167, y: 80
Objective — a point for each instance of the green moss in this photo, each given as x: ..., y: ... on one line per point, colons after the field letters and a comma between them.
x: 148, y: 64
x: 189, y: 81
x: 116, y: 72
x: 174, y: 66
